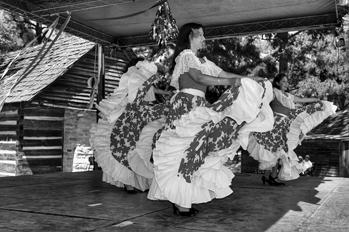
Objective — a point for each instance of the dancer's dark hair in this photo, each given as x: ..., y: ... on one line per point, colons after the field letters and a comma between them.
x: 277, y: 79
x: 183, y: 41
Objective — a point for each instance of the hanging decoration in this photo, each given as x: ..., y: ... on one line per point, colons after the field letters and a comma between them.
x: 164, y: 27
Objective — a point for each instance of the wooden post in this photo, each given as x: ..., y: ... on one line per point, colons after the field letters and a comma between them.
x: 344, y: 158
x: 22, y: 166
x: 101, y: 74
x: 283, y: 61
x: 20, y: 127
x: 101, y: 85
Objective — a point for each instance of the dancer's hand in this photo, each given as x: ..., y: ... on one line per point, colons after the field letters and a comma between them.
x: 236, y: 82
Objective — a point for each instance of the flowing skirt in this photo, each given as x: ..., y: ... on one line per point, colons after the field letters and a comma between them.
x: 122, y: 138
x: 199, y: 138
x: 287, y: 133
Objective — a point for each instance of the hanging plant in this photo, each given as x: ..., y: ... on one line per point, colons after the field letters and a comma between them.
x: 164, y: 27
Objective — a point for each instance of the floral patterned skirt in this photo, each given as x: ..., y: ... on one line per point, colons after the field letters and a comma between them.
x: 123, y: 145
x: 287, y: 133
x: 198, y: 139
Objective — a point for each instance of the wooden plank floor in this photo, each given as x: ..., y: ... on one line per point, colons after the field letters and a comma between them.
x: 80, y: 201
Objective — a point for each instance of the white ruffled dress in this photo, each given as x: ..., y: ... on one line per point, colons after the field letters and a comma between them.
x: 122, y: 138
x: 199, y: 137
x: 287, y: 133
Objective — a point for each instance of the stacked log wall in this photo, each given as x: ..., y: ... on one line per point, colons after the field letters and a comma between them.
x: 12, y: 158
x: 71, y: 89
x: 42, y: 140
x: 9, y: 125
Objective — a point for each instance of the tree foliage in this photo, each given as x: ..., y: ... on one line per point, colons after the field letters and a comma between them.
x: 15, y: 32
x: 316, y: 65
x: 240, y: 55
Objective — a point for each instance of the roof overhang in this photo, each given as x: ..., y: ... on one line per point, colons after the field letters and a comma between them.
x: 127, y: 23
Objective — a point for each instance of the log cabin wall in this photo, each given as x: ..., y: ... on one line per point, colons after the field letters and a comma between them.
x: 40, y: 135
x: 71, y: 93
x: 9, y: 140
x: 71, y: 89
x: 42, y: 141
x: 31, y: 139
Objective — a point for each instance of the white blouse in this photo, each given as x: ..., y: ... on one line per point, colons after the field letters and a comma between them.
x: 287, y: 101
x: 186, y: 60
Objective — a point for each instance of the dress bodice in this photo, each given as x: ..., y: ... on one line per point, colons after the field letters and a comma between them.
x: 277, y: 107
x: 282, y: 103
x: 185, y: 82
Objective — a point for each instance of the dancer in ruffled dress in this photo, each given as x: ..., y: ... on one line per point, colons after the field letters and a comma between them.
x: 198, y: 137
x: 150, y: 97
x: 123, y: 136
x: 276, y: 147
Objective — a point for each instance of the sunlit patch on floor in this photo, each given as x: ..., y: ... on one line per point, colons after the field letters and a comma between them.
x: 93, y: 191
x: 122, y: 224
x: 97, y: 204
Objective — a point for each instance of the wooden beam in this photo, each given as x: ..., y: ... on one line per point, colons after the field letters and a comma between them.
x: 101, y: 74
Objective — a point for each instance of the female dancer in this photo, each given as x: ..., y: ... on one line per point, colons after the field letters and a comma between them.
x: 291, y: 125
x: 122, y: 138
x: 199, y: 137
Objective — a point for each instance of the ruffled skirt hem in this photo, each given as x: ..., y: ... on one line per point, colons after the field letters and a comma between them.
x: 113, y: 170
x: 212, y: 179
x: 299, y: 127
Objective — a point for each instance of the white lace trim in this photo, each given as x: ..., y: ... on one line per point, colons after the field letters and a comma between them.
x: 186, y: 60
x: 287, y: 101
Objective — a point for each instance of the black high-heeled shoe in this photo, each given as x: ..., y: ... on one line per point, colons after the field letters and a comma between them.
x: 264, y: 179
x: 196, y: 211
x: 129, y: 191
x: 190, y: 213
x: 274, y: 182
